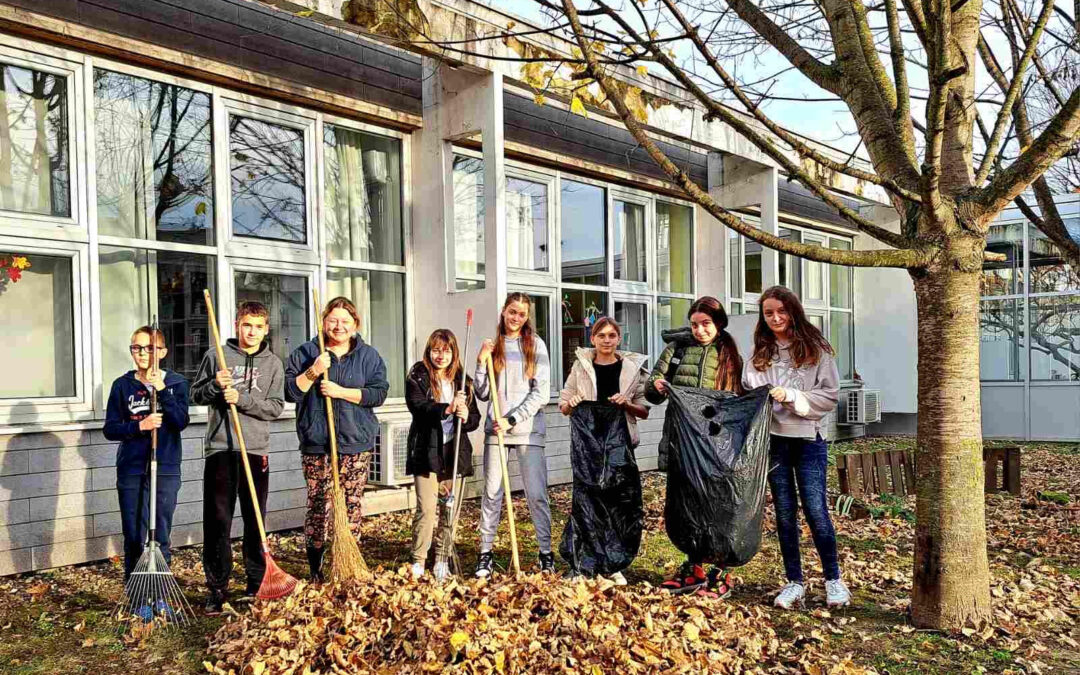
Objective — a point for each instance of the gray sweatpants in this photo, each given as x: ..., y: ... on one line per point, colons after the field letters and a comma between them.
x: 533, y: 465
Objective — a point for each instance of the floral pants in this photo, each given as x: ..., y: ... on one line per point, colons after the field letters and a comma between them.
x: 320, y: 498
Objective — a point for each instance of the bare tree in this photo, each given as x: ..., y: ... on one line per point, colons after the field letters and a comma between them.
x: 948, y: 172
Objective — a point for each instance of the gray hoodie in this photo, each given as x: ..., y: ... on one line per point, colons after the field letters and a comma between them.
x: 519, y: 397
x: 810, y: 392
x: 260, y: 379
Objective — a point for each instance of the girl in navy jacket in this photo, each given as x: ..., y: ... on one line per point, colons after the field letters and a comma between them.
x: 128, y: 420
x: 356, y: 380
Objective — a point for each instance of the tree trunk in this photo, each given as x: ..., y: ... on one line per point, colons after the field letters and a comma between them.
x: 951, y: 576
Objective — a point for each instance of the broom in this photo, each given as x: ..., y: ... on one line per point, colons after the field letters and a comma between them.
x: 276, y: 582
x: 151, y: 589
x: 346, y: 563
x: 453, y: 502
x: 502, y: 462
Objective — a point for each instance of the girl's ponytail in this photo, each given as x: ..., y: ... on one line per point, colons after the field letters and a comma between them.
x: 729, y: 364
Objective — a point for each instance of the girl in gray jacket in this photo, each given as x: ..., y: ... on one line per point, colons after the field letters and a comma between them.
x: 523, y: 385
x: 794, y: 358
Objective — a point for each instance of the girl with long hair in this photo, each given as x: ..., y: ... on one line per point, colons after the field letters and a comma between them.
x: 603, y: 373
x: 794, y: 358
x: 522, y: 374
x: 437, y: 407
x: 355, y: 377
x: 702, y: 355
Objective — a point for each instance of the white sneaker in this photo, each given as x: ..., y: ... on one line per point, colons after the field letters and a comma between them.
x: 790, y: 595
x: 619, y: 579
x: 417, y: 570
x: 837, y: 594
x: 441, y: 571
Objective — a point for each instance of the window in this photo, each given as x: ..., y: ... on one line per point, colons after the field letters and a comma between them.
x: 1001, y: 342
x: 674, y: 248
x: 286, y: 296
x: 790, y: 266
x: 841, y: 325
x: 580, y: 310
x: 815, y: 275
x: 267, y: 163
x: 468, y: 223
x: 671, y: 312
x: 380, y: 299
x: 35, y: 173
x: 362, y: 197
x: 541, y: 318
x: 1005, y: 277
x: 1055, y: 337
x: 629, y: 227
x: 154, y: 160
x: 137, y: 285
x: 526, y: 225
x: 752, y: 263
x: 583, y: 234
x: 734, y: 271
x: 633, y: 318
x: 1049, y: 271
x: 36, y: 310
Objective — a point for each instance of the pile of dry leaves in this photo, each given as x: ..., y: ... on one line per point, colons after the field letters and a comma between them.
x: 533, y: 624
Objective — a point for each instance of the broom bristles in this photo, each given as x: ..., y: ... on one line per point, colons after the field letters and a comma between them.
x: 276, y: 583
x: 346, y: 564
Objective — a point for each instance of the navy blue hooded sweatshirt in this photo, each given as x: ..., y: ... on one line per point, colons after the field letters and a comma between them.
x: 129, y: 402
x: 356, y: 425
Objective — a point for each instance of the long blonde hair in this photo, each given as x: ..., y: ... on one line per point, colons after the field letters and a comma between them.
x: 528, y: 338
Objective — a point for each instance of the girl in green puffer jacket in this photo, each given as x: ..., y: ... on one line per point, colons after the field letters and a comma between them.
x: 702, y: 355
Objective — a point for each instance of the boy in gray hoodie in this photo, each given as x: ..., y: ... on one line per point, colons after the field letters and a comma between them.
x: 254, y: 379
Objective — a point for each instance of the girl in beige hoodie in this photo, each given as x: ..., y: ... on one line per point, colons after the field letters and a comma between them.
x: 794, y: 358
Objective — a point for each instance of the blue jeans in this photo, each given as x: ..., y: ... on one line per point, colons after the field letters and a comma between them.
x: 802, y: 462
x: 134, y: 494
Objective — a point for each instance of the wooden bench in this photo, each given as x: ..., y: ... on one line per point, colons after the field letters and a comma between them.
x: 1008, y: 459
x: 875, y: 473
x: 893, y: 471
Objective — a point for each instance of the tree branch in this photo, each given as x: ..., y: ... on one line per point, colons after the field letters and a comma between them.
x: 1005, y: 114
x: 902, y: 116
x: 791, y: 139
x: 825, y: 76
x: 762, y: 142
x: 903, y: 258
x: 1055, y: 140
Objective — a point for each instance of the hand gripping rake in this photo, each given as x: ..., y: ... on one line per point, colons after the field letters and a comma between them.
x: 153, y: 594
x: 276, y: 582
x: 453, y: 502
x: 347, y: 563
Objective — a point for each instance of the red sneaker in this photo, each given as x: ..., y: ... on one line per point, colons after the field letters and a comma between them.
x: 718, y: 584
x: 688, y: 579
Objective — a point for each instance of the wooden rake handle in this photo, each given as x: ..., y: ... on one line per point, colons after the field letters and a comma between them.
x: 493, y: 392
x: 330, y: 427
x: 235, y: 417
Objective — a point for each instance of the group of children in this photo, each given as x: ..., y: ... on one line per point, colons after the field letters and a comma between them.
x: 790, y: 355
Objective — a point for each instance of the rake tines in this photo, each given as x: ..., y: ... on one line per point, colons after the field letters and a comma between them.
x: 153, y: 595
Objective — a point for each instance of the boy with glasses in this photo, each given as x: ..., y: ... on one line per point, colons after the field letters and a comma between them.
x: 128, y: 419
x: 253, y: 379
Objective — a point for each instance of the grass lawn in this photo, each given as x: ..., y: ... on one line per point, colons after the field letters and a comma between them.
x: 60, y: 621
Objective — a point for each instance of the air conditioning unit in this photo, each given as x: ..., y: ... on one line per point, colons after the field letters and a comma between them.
x: 859, y: 406
x: 390, y: 454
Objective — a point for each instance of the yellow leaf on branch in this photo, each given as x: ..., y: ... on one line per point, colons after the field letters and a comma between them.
x: 576, y: 106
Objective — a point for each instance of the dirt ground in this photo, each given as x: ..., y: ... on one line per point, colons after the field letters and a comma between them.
x: 61, y: 621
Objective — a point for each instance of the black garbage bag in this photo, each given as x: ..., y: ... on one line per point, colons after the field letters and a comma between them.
x: 718, y: 462
x: 604, y: 530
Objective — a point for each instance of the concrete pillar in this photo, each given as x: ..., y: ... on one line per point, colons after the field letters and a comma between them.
x: 744, y: 183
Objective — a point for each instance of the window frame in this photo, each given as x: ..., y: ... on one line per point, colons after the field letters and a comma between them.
x: 228, y: 104
x: 73, y: 67
x: 81, y: 404
x: 516, y: 275
x: 651, y: 334
x: 554, y: 330
x: 648, y: 205
x: 670, y: 201
x: 607, y: 187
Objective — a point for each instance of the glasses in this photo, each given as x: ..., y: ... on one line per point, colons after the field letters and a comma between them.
x: 141, y: 349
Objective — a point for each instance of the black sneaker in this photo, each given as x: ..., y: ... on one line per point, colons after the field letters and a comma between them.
x: 547, y: 562
x: 485, y: 564
x: 215, y: 603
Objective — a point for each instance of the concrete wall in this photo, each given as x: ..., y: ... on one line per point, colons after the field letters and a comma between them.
x: 58, y: 503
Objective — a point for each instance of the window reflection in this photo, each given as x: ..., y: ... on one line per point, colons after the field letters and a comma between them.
x: 268, y: 168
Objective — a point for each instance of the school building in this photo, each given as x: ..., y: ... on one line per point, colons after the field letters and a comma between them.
x: 153, y: 148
